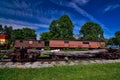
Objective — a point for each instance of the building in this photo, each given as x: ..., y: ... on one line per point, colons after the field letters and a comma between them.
x: 3, y: 39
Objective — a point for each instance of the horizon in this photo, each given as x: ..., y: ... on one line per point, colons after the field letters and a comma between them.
x: 38, y: 14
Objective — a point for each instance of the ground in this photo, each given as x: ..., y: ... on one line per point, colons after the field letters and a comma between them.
x: 93, y: 71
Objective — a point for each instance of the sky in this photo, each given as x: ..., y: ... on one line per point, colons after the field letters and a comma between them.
x: 38, y: 14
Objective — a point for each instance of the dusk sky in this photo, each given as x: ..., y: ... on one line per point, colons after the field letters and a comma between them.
x: 38, y: 14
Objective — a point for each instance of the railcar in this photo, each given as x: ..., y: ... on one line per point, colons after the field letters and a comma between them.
x: 29, y: 44
x: 76, y: 44
x: 26, y: 50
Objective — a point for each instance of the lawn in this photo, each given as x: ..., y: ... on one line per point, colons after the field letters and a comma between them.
x: 108, y: 71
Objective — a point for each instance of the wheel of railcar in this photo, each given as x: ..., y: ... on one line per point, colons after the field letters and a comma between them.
x: 13, y: 57
x: 31, y: 57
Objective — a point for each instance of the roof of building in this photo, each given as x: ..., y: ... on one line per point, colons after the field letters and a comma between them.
x: 3, y: 36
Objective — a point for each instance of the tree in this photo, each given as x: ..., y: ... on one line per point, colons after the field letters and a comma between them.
x: 8, y: 31
x: 24, y: 33
x: 117, y: 34
x: 66, y: 27
x: 1, y: 29
x: 46, y: 36
x: 91, y: 31
x: 115, y: 40
x: 111, y: 41
x: 54, y: 29
x: 18, y: 34
x: 28, y: 33
x: 59, y: 29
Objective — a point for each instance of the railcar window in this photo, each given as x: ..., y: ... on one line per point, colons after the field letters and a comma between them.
x: 66, y: 41
x: 21, y: 41
x: 39, y: 41
x: 85, y: 42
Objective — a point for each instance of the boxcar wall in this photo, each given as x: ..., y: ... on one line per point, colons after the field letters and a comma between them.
x: 76, y: 44
x: 29, y: 44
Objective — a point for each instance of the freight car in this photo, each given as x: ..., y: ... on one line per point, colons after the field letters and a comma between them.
x: 24, y: 50
x: 29, y: 44
x: 76, y: 44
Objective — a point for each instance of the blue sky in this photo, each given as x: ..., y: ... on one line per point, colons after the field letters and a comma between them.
x: 38, y: 14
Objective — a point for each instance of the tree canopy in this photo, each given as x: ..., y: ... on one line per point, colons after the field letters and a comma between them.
x: 24, y: 33
x: 115, y: 40
x: 91, y: 31
x: 59, y: 29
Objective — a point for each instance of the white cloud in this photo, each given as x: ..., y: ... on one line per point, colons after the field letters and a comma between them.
x: 81, y: 11
x: 73, y: 4
x: 20, y: 24
x: 81, y: 2
x: 111, y: 7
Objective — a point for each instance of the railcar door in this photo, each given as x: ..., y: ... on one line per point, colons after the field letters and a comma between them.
x: 22, y: 54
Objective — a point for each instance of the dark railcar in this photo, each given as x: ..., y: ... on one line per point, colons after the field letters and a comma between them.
x: 29, y: 44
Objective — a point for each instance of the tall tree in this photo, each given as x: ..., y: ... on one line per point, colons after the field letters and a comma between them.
x: 54, y: 29
x: 91, y: 31
x: 66, y: 27
x: 60, y: 29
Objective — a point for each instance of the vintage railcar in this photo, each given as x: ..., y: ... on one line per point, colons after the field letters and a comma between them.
x: 29, y: 44
x: 24, y: 50
x: 76, y: 44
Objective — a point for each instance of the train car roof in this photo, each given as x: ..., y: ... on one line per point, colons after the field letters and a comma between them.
x: 77, y: 40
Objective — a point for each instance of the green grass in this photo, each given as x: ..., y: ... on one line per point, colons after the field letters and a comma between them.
x: 43, y: 55
x: 109, y: 71
x: 75, y: 49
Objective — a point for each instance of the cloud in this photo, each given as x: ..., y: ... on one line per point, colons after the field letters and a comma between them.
x: 81, y: 2
x: 73, y: 4
x: 81, y: 11
x: 20, y: 24
x: 111, y: 7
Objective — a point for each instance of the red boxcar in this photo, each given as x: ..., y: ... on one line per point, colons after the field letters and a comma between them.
x: 29, y: 44
x: 76, y: 44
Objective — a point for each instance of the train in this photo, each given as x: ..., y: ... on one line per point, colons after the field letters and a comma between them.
x: 31, y: 50
x: 59, y: 44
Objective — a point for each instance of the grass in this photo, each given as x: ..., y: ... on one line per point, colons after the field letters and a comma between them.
x: 43, y: 55
x: 109, y: 71
x: 75, y: 49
